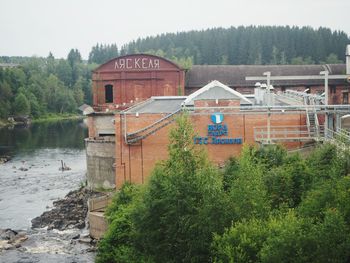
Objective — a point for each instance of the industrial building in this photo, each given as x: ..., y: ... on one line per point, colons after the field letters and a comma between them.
x: 137, y: 97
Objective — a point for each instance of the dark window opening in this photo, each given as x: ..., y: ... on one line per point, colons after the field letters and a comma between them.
x: 345, y: 98
x: 109, y: 93
x: 333, y: 89
x: 106, y: 134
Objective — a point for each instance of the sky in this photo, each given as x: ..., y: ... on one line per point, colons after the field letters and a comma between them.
x: 37, y: 27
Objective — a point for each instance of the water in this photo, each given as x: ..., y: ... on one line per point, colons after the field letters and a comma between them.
x: 31, y: 181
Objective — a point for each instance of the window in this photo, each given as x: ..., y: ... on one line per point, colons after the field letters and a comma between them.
x: 109, y: 93
x: 345, y: 98
x: 333, y: 89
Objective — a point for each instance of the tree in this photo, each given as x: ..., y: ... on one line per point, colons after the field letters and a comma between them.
x: 74, y: 57
x: 118, y: 243
x: 183, y: 203
x: 332, y: 59
x: 248, y: 192
x: 21, y: 105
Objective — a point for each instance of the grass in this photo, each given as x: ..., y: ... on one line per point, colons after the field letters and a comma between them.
x: 56, y: 117
x: 50, y: 117
x: 3, y: 123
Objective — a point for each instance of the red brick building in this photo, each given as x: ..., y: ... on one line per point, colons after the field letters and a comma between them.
x: 124, y: 146
x: 126, y: 80
x: 141, y: 136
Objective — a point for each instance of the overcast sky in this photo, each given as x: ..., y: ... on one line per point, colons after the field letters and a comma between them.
x: 36, y: 27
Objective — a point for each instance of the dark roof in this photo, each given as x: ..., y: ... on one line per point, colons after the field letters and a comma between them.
x: 234, y: 75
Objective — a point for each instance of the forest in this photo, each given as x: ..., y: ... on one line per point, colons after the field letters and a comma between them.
x: 266, y: 205
x: 46, y: 85
x: 247, y: 45
x: 41, y: 86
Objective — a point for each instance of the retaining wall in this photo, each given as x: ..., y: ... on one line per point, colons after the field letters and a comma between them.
x: 100, y: 157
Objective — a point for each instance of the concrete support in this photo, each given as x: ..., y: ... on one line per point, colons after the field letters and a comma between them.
x: 100, y: 158
x: 347, y: 54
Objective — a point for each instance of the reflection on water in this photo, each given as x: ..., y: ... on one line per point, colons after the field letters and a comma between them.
x: 62, y: 134
x: 31, y: 180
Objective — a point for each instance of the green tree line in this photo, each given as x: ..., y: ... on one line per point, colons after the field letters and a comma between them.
x: 48, y: 85
x: 264, y: 206
x: 38, y: 86
x: 247, y: 45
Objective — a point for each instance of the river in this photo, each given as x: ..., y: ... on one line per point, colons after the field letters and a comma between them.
x: 31, y: 181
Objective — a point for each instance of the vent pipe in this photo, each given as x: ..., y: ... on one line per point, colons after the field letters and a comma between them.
x: 347, y: 54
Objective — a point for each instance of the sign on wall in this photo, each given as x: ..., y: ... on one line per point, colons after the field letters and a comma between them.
x: 217, y: 132
x: 136, y: 63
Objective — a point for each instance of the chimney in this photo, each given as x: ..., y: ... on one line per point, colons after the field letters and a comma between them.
x: 347, y: 54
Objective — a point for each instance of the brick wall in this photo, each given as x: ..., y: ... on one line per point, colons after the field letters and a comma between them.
x: 132, y: 84
x: 135, y: 162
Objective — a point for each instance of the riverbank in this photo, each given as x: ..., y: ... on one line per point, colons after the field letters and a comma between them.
x: 58, y: 235
x: 45, y: 118
x: 57, y: 117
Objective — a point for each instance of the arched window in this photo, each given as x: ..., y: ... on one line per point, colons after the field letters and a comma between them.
x: 109, y: 93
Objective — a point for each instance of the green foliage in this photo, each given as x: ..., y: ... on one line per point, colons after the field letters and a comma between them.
x: 318, y: 190
x: 332, y: 59
x: 183, y: 203
x: 331, y: 194
x: 265, y: 206
x: 269, y: 156
x: 49, y: 85
x: 288, y: 182
x: 21, y: 105
x: 240, y: 243
x: 248, y: 192
x: 245, y: 45
x: 102, y: 53
x: 118, y: 243
x: 327, y: 162
x: 284, y: 238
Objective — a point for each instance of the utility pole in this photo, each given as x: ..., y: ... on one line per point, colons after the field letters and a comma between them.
x: 268, y: 77
x: 326, y: 75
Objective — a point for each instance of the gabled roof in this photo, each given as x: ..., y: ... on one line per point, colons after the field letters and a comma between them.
x: 215, y: 90
x: 86, y: 109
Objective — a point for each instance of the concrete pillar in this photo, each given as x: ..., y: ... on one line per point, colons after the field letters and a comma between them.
x: 347, y: 54
x: 100, y: 158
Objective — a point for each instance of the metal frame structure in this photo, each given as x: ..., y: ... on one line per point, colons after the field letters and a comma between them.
x: 267, y: 134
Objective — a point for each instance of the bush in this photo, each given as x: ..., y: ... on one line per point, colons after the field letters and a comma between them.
x: 326, y: 162
x: 248, y: 192
x: 118, y: 243
x: 240, y: 243
x: 285, y: 238
x: 183, y: 203
x: 286, y: 184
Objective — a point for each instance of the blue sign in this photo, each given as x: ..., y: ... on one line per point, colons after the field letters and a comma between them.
x: 217, y: 118
x: 216, y: 131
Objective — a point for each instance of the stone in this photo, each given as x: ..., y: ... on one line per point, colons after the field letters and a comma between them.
x: 67, y: 213
x: 7, y: 234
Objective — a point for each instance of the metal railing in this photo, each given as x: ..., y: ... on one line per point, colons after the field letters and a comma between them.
x: 286, y: 133
x: 150, y: 129
x: 341, y: 136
